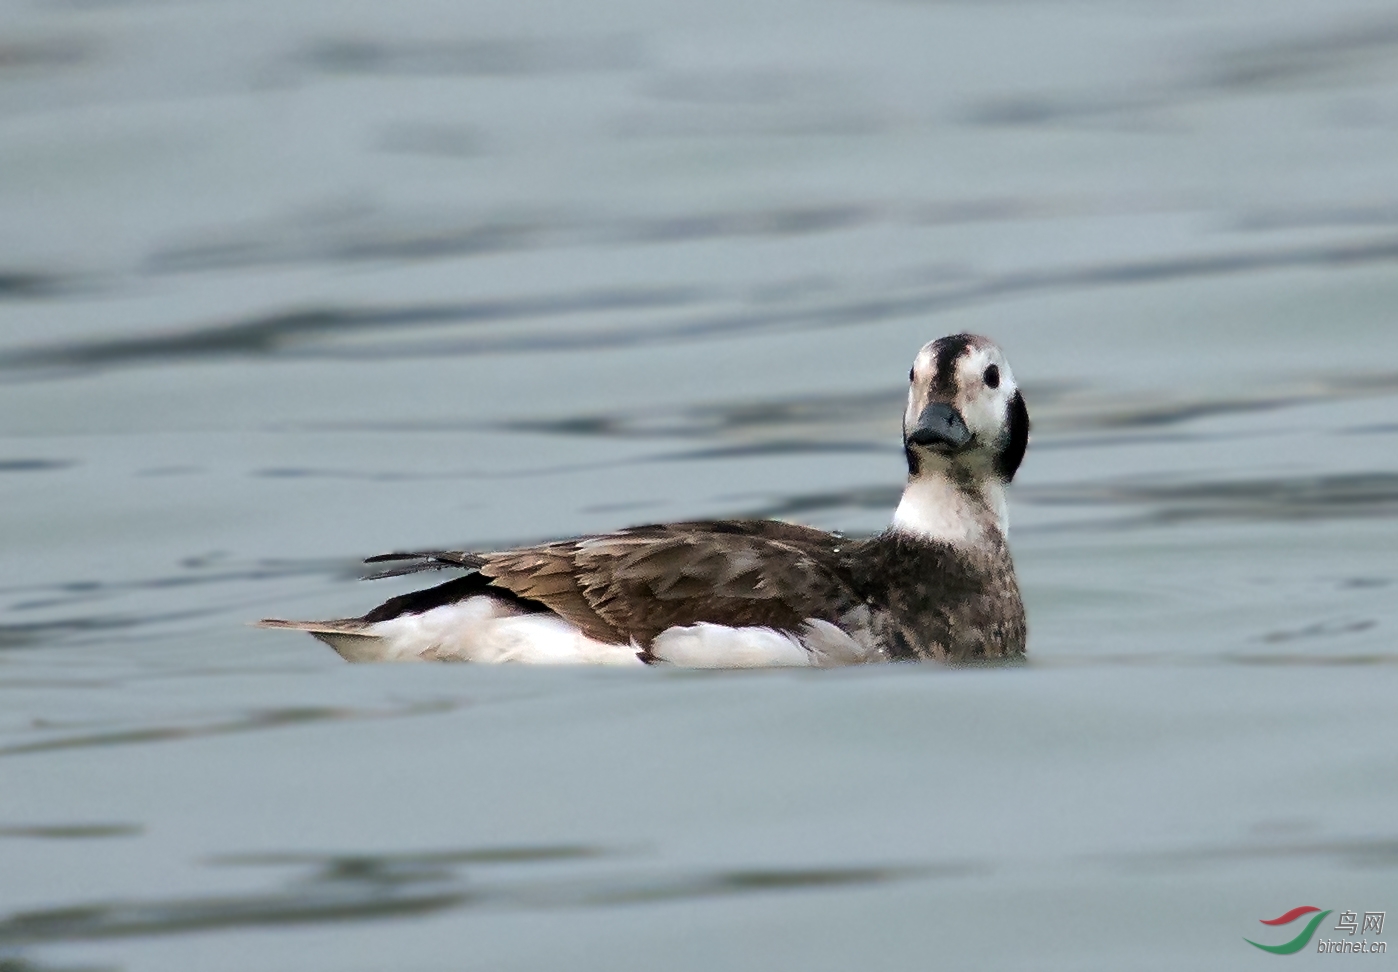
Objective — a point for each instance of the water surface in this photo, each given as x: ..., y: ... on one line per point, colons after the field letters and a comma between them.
x: 284, y: 287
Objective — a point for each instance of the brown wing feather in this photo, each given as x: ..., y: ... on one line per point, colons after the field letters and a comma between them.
x: 630, y: 586
x: 548, y: 574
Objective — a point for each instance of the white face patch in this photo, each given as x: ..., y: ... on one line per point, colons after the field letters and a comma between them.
x: 983, y: 406
x: 984, y: 409
x: 919, y: 380
x: 959, y: 498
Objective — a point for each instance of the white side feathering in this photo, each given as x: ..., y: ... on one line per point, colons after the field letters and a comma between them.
x: 705, y: 645
x: 484, y: 629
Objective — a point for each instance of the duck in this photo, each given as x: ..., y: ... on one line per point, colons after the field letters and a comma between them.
x: 937, y: 585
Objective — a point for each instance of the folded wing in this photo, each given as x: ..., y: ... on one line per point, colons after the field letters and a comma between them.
x: 628, y: 587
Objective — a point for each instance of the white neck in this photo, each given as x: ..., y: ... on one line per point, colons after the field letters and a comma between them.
x: 936, y: 507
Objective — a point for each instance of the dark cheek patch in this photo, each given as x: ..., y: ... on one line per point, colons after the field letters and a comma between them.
x: 1016, y: 442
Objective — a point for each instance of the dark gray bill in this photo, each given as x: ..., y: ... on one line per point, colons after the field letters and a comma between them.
x: 940, y: 427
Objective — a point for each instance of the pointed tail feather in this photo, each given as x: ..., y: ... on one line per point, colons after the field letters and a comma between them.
x: 423, y: 560
x: 348, y: 636
x: 342, y: 626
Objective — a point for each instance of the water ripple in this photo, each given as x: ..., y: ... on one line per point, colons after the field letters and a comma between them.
x: 1366, y: 494
x: 1056, y: 408
x: 472, y: 57
x: 256, y: 721
x: 20, y: 284
x: 342, y: 887
x: 281, y: 332
x: 1362, y: 43
x: 292, y: 333
x: 1360, y: 852
x: 34, y: 465
x: 73, y: 831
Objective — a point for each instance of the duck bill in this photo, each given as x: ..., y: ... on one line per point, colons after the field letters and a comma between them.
x: 940, y: 427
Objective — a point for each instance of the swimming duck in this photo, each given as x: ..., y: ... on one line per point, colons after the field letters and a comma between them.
x: 939, y: 583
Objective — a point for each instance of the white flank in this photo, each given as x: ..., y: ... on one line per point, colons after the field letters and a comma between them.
x: 820, y: 644
x: 483, y: 629
x: 705, y: 645
x: 935, y: 508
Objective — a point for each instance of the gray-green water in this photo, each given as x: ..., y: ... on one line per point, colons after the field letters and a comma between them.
x: 282, y: 286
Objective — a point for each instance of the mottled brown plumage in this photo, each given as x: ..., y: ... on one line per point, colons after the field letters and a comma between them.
x: 631, y: 585
x: 899, y: 597
x: 939, y: 584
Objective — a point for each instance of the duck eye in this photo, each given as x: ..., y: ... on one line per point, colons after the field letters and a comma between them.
x: 992, y: 377
x: 910, y: 376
